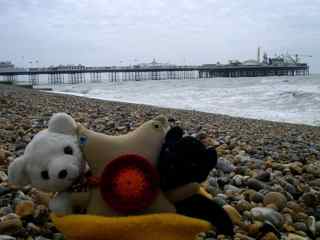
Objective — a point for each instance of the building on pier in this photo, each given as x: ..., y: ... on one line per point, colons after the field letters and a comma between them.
x: 9, y: 71
x: 68, y: 67
x: 6, y: 65
x: 154, y: 63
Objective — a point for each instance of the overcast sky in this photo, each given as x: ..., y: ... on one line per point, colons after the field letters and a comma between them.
x: 113, y: 32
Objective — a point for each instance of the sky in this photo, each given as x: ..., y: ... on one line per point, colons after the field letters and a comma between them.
x: 125, y: 32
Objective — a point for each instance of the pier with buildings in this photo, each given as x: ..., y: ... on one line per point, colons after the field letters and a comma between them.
x: 74, y: 74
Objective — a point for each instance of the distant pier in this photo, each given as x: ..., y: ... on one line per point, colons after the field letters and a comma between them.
x: 255, y: 71
x: 82, y: 74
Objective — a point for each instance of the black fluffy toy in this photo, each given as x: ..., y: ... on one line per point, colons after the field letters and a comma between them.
x: 184, y: 160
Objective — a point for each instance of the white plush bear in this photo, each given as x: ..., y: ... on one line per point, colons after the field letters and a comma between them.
x: 52, y: 162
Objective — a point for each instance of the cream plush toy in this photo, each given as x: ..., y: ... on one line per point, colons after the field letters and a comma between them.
x: 124, y: 170
x: 52, y: 162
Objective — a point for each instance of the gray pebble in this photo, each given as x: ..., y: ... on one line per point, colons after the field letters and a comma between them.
x: 5, y: 211
x: 225, y: 165
x: 267, y: 214
x: 7, y: 237
x: 255, y: 184
x: 231, y: 188
x: 300, y: 226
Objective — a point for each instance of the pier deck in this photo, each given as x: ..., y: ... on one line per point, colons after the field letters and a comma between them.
x: 136, y: 73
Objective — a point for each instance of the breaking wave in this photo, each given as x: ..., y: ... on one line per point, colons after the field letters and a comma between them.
x: 284, y: 99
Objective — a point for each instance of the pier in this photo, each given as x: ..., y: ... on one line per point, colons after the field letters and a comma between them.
x: 82, y: 74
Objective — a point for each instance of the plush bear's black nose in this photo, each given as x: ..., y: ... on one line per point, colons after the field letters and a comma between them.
x: 62, y: 174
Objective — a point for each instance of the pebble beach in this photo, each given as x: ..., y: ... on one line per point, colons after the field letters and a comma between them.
x: 268, y: 173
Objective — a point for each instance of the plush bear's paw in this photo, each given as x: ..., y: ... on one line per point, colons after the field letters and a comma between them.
x: 40, y: 198
x: 199, y: 206
x: 61, y: 204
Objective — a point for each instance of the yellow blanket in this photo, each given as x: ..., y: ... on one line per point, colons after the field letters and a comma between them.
x: 163, y: 226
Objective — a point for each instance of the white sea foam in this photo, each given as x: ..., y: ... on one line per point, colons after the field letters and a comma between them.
x: 284, y: 99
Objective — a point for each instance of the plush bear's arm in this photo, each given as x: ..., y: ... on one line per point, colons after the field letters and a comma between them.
x: 80, y: 199
x: 61, y: 203
x: 65, y: 202
x: 161, y: 204
x: 181, y: 193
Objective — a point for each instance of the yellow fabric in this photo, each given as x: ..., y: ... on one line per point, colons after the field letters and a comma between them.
x: 163, y: 226
x: 204, y: 193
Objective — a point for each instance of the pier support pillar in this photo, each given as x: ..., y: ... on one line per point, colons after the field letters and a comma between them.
x: 95, y: 77
x: 10, y: 78
x: 113, y: 76
x: 137, y: 76
x: 33, y: 79
x: 155, y: 75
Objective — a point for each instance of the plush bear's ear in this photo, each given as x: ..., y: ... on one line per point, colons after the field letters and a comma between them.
x: 62, y: 123
x: 174, y: 135
x: 212, y: 158
x: 16, y: 172
x: 163, y: 120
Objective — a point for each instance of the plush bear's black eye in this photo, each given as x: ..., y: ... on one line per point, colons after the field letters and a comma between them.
x: 68, y: 150
x: 45, y: 175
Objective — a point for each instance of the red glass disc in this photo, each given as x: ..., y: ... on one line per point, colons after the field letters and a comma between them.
x: 129, y: 184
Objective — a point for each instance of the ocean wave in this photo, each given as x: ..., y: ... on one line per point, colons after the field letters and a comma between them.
x: 299, y: 95
x: 296, y: 100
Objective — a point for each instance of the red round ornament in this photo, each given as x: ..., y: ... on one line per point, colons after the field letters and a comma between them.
x: 129, y: 184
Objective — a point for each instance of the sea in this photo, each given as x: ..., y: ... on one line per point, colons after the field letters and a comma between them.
x: 281, y: 99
